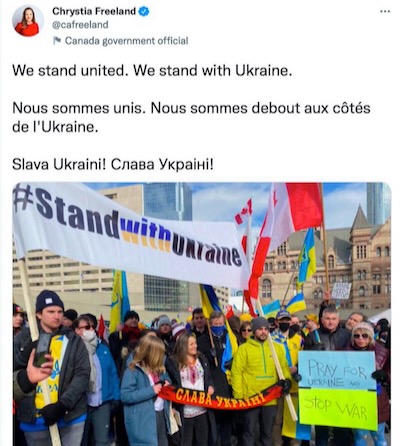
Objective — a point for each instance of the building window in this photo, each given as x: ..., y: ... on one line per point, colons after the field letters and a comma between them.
x: 332, y: 279
x: 364, y: 274
x: 279, y: 266
x: 358, y: 275
x: 331, y: 262
x: 318, y: 294
x: 387, y: 251
x: 362, y: 252
x: 361, y: 291
x: 378, y: 252
x: 284, y: 266
x: 266, y: 289
x: 281, y: 251
x: 376, y: 289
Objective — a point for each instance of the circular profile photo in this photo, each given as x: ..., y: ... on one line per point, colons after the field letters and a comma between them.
x: 27, y: 21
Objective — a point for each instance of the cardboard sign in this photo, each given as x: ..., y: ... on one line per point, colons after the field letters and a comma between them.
x: 357, y: 409
x: 337, y: 370
x: 341, y: 291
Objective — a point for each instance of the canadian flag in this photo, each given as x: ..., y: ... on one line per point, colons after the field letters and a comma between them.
x: 244, y: 214
x: 292, y: 207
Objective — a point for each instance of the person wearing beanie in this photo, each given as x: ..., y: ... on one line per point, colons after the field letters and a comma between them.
x: 362, y: 339
x: 69, y: 317
x: 164, y: 332
x: 253, y: 370
x: 67, y: 383
x: 121, y: 343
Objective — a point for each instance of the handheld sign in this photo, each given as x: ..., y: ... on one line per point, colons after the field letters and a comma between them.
x: 341, y: 291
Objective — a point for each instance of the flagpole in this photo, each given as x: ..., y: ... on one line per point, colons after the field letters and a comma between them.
x: 249, y: 248
x: 34, y: 330
x: 287, y: 289
x: 325, y: 242
x: 278, y: 367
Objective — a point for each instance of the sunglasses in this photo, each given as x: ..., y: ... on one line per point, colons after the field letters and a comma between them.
x: 86, y: 327
x: 246, y: 329
x: 361, y: 335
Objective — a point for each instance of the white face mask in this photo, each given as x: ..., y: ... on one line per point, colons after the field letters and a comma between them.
x: 89, y: 335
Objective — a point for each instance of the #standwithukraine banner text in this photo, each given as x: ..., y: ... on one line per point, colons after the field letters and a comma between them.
x: 74, y: 221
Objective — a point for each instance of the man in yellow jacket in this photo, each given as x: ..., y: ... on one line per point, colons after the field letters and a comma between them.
x: 253, y: 370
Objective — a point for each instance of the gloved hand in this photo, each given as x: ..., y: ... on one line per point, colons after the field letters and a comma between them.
x: 286, y: 385
x: 213, y: 352
x: 53, y: 412
x: 228, y: 364
x: 296, y: 377
x: 379, y: 375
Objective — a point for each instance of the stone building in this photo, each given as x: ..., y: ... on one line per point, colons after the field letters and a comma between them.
x: 360, y: 255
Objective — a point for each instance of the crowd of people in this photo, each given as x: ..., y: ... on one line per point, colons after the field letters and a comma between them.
x: 106, y: 389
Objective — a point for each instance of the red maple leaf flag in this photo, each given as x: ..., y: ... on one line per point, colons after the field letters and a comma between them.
x: 292, y: 207
x: 244, y: 214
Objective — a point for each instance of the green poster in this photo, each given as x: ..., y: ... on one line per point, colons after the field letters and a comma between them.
x: 339, y: 408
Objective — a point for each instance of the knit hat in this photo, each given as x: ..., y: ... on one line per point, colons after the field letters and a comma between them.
x: 17, y: 309
x: 91, y: 317
x: 164, y: 320
x: 131, y: 315
x: 177, y: 329
x: 259, y: 322
x: 282, y: 314
x: 364, y: 326
x: 71, y: 314
x: 312, y: 317
x: 48, y: 298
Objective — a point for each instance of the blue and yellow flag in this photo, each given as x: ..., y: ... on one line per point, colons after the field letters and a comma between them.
x: 209, y: 303
x: 119, y: 300
x: 307, y: 259
x: 297, y: 303
x: 270, y: 310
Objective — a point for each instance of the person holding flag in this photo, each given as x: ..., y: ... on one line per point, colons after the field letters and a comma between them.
x: 219, y: 347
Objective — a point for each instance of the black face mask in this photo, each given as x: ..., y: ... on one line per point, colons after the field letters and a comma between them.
x: 284, y: 326
x: 295, y: 328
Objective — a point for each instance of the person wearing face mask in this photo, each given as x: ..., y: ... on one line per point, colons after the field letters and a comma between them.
x: 292, y: 342
x: 214, y: 349
x: 103, y: 394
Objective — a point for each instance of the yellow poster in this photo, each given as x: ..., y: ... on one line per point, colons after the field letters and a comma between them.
x: 341, y: 408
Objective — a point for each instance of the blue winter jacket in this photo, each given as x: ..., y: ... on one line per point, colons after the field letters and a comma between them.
x: 138, y: 396
x: 109, y: 376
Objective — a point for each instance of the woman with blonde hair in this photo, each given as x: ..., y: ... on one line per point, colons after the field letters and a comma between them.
x: 188, y: 368
x: 146, y: 415
x: 362, y: 339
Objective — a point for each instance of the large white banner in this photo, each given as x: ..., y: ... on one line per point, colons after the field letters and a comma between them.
x: 76, y: 222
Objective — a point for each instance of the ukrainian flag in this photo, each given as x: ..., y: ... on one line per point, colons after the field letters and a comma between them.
x: 297, y: 303
x: 307, y: 259
x: 119, y: 300
x: 270, y: 310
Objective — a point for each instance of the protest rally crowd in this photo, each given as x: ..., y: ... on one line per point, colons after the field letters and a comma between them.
x: 107, y: 389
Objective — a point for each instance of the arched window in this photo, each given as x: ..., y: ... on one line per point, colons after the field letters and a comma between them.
x: 293, y: 266
x: 266, y: 288
x: 361, y: 291
x: 331, y: 262
x: 283, y: 265
x: 318, y: 293
x: 387, y: 251
x: 279, y: 266
x: 378, y: 252
x: 364, y: 274
x: 358, y: 275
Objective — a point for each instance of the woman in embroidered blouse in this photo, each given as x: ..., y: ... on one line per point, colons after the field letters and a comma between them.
x: 189, y: 369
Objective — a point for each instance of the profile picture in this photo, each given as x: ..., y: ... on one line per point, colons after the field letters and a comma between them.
x: 28, y: 21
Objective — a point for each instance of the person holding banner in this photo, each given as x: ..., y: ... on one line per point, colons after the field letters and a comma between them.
x: 67, y: 383
x: 362, y: 339
x: 189, y: 368
x: 146, y: 415
x: 253, y: 370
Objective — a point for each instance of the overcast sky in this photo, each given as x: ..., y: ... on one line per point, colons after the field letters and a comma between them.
x: 222, y: 201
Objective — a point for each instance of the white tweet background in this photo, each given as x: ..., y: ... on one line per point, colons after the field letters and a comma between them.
x: 337, y: 51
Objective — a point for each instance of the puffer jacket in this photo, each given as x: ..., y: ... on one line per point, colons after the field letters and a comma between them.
x: 253, y: 368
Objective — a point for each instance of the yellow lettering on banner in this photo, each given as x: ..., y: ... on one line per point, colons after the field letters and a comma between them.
x: 208, y: 400
x: 179, y: 394
x: 242, y: 403
x: 219, y: 400
x: 186, y: 397
x: 254, y: 400
x: 262, y: 397
x: 201, y: 398
x: 227, y: 402
x: 234, y: 402
x: 194, y: 397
